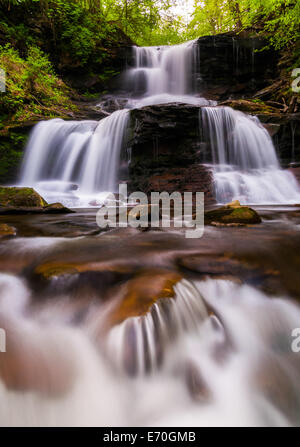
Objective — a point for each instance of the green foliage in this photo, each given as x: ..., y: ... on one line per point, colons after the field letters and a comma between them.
x: 32, y: 88
x: 75, y: 32
x: 279, y: 20
x: 82, y: 29
x: 11, y: 153
x: 140, y: 19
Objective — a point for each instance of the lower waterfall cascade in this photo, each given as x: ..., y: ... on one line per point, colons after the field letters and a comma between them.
x: 245, y: 164
x: 212, y: 371
x: 83, y: 154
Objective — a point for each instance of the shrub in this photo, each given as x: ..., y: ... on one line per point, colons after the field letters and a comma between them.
x: 32, y: 87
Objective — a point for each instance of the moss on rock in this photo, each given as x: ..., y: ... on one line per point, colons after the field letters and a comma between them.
x: 19, y: 200
x: 232, y: 213
x: 17, y: 196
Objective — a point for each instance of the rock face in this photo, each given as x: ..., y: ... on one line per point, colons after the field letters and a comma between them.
x: 15, y: 200
x: 287, y: 138
x: 166, y: 152
x: 231, y: 67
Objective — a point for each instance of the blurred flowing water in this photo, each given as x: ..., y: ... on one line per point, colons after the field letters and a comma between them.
x: 181, y: 364
x: 245, y: 163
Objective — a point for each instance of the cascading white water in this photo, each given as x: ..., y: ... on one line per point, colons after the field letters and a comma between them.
x: 246, y: 167
x: 163, y: 69
x: 233, y: 368
x: 139, y: 344
x: 163, y: 74
x: 72, y: 162
x: 61, y: 154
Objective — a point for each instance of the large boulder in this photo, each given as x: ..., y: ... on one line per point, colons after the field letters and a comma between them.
x: 232, y: 214
x: 20, y: 197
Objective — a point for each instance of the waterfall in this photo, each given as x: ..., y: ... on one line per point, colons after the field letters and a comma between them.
x: 83, y: 155
x: 163, y: 74
x: 138, y: 345
x: 165, y: 69
x: 75, y: 162
x: 233, y: 366
x: 245, y: 163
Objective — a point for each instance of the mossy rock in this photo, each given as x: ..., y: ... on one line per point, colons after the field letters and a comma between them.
x: 17, y: 196
x: 18, y: 200
x: 249, y: 106
x: 232, y: 213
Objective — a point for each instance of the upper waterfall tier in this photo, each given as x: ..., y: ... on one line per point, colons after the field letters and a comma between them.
x: 163, y: 69
x: 163, y: 74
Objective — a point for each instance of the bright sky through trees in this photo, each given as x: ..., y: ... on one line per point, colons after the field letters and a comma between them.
x: 183, y: 8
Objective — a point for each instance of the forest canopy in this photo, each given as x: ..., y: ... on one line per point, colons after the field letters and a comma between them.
x: 158, y: 22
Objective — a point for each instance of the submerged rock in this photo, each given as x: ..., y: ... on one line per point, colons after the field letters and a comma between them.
x: 56, y: 208
x: 26, y: 367
x: 196, y: 384
x: 19, y: 200
x: 232, y: 213
x: 142, y: 291
x: 7, y: 230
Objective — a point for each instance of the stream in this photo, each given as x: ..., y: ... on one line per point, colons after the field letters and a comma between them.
x: 126, y: 327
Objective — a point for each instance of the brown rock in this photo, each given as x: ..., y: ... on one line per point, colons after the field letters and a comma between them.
x: 7, y: 231
x: 141, y: 292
